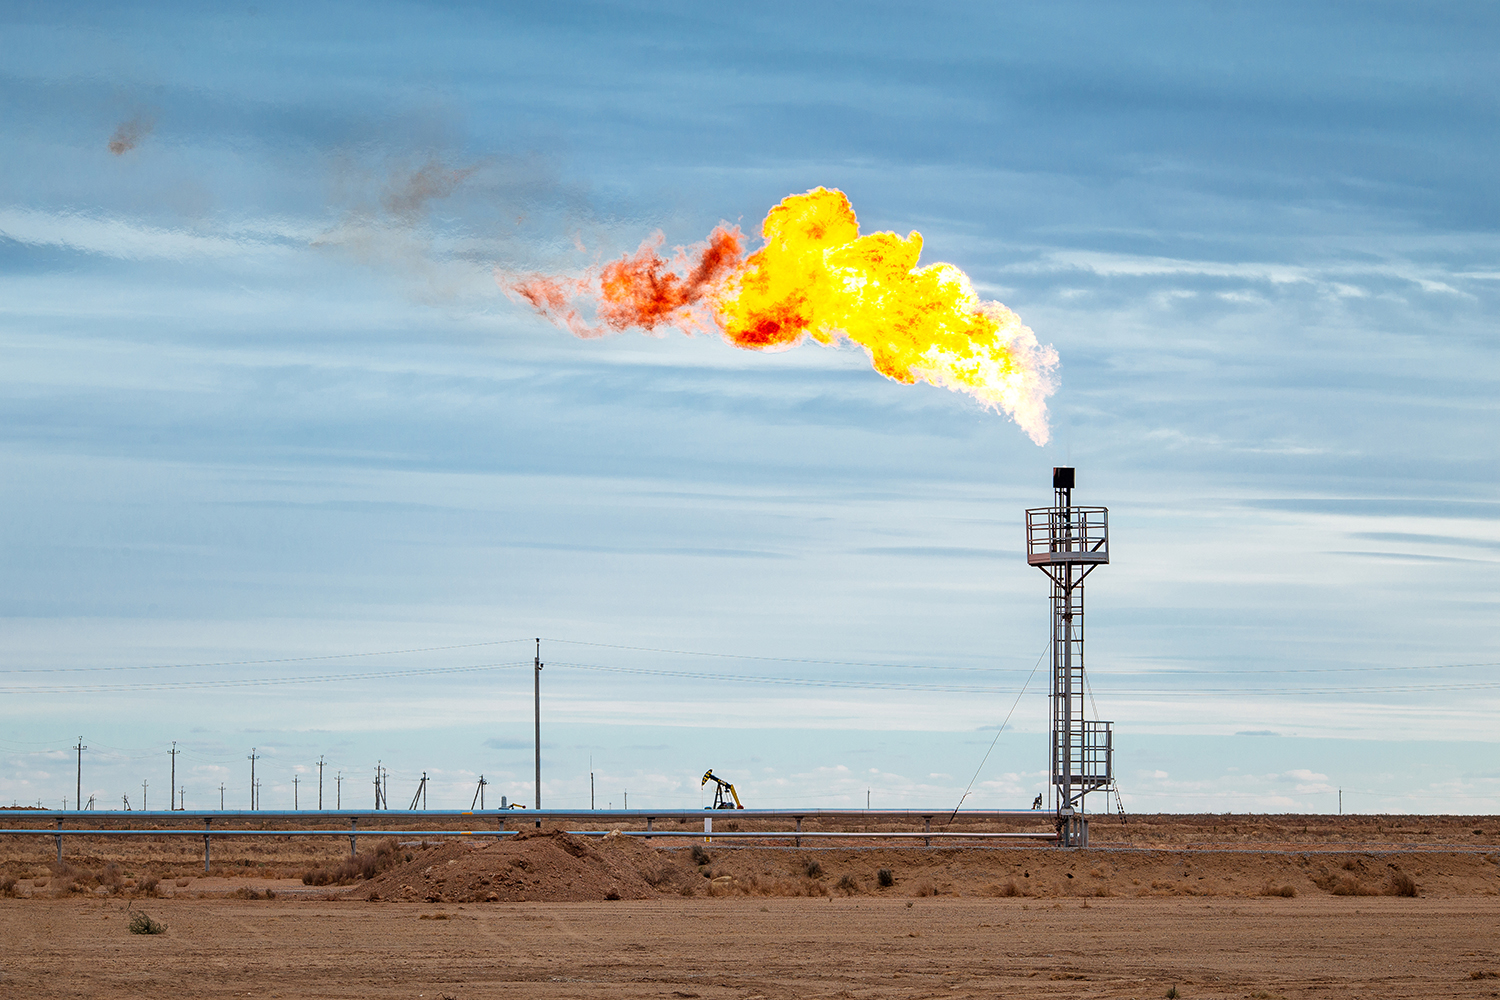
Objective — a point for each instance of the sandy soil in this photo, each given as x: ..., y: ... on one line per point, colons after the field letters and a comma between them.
x: 1248, y: 907
x: 747, y: 947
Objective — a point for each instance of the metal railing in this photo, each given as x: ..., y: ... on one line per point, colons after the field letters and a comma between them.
x: 1067, y: 535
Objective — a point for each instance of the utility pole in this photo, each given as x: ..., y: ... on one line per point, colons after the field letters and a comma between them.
x: 143, y: 795
x: 338, y: 800
x: 182, y: 798
x: 479, y: 793
x: 421, y: 795
x: 296, y: 779
x: 173, y: 785
x: 252, y: 777
x: 537, y: 688
x: 80, y: 748
x: 221, y: 796
x: 591, y: 784
x: 320, y: 782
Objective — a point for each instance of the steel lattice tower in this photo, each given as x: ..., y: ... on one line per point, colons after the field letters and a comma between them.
x: 1067, y: 543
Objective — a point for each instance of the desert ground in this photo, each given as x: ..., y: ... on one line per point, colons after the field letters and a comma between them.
x: 1226, y: 906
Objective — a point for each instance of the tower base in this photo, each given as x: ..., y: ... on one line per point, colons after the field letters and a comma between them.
x: 1072, y: 829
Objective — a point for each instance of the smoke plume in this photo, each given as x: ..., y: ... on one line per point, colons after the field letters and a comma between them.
x: 817, y: 278
x: 129, y: 134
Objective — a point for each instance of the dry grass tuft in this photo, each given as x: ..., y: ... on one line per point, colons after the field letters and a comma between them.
x: 924, y: 887
x: 847, y: 885
x: 142, y: 924
x: 1285, y: 891
x: 884, y: 878
x: 1351, y: 886
x: 811, y: 868
x: 1401, y: 884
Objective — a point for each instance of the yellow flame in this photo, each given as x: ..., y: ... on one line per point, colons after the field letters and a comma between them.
x: 817, y: 277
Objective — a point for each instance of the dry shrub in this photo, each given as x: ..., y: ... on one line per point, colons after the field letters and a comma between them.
x: 1009, y: 889
x: 848, y: 886
x: 924, y: 887
x: 812, y: 887
x: 885, y: 878
x: 700, y: 856
x: 435, y: 916
x: 1401, y: 884
x: 1285, y: 891
x: 1351, y: 886
x: 661, y: 875
x: 1484, y: 974
x: 110, y: 877
x: 688, y: 889
x: 360, y: 866
x: 811, y: 868
x: 142, y: 924
x: 148, y: 885
x: 245, y: 892
x: 8, y: 886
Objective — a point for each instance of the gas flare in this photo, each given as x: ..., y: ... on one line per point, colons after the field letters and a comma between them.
x: 817, y: 277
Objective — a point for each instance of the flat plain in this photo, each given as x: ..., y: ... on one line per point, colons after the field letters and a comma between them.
x: 1271, y: 907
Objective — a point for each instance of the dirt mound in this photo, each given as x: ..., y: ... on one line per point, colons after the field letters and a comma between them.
x: 533, y: 866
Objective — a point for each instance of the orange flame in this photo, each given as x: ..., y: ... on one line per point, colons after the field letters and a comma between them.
x: 817, y: 277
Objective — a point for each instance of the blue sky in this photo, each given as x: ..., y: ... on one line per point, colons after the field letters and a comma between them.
x: 260, y: 401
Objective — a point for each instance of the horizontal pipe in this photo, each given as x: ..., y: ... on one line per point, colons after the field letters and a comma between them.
x: 179, y: 815
x: 742, y: 835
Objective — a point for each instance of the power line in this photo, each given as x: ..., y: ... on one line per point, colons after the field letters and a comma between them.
x: 923, y: 666
x: 249, y: 681
x: 793, y: 681
x: 247, y: 663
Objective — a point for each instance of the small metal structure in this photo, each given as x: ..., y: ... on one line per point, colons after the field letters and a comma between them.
x: 1068, y: 543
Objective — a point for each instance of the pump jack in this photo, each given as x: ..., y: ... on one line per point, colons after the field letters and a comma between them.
x: 721, y: 800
